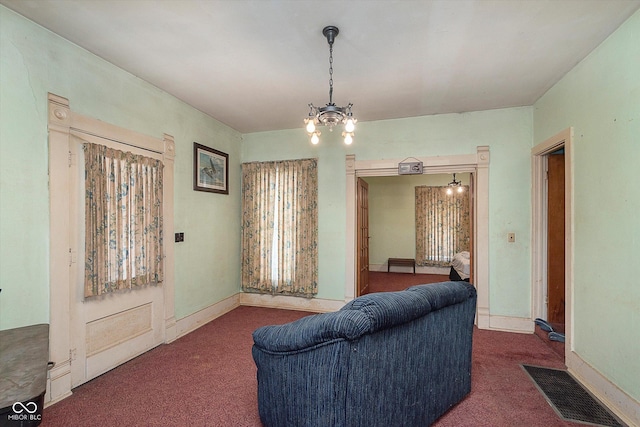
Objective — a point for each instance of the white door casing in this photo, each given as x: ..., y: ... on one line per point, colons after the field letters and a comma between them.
x: 89, y: 337
x: 539, y: 230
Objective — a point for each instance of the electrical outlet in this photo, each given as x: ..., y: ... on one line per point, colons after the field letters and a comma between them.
x: 511, y: 237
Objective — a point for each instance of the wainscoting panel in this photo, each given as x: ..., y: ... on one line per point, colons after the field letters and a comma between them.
x: 113, y: 330
x: 112, y: 357
x: 114, y: 339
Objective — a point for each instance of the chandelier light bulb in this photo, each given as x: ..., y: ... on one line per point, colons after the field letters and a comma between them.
x: 311, y: 127
x: 350, y: 125
x: 455, y: 184
x: 314, y: 138
x: 348, y: 138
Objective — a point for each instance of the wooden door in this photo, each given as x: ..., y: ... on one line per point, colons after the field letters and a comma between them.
x: 106, y: 331
x: 362, y: 225
x: 555, y: 238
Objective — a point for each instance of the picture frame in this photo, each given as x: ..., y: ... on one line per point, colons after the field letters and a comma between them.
x: 210, y: 170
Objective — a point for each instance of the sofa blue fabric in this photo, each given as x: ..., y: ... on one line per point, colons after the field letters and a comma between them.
x: 386, y: 359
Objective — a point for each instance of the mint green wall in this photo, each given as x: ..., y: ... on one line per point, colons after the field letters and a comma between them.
x: 392, y: 213
x: 600, y: 98
x: 508, y: 133
x: 33, y: 61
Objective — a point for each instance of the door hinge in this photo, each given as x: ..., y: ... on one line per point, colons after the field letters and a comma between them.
x: 72, y: 159
x: 72, y: 257
x: 73, y: 354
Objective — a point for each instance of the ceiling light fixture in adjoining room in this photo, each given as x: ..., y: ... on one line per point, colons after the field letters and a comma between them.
x: 454, y: 184
x: 330, y: 115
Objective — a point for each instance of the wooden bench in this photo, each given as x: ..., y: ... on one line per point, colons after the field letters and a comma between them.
x: 410, y: 262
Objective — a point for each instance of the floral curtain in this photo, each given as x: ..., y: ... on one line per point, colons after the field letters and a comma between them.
x: 280, y: 227
x: 442, y: 225
x: 123, y: 220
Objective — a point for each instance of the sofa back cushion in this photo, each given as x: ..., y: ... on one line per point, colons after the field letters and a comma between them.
x: 388, y: 309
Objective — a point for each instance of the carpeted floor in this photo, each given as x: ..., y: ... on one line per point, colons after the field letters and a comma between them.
x: 389, y: 282
x: 208, y: 378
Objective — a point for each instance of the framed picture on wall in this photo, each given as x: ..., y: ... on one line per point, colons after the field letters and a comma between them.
x: 210, y: 170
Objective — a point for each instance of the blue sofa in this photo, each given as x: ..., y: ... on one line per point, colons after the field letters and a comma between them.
x: 385, y: 359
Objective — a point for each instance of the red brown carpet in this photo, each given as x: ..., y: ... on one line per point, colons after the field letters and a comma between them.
x: 389, y: 282
x: 208, y: 378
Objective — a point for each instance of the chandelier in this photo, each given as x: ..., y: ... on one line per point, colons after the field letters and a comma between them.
x: 330, y: 115
x: 454, y: 184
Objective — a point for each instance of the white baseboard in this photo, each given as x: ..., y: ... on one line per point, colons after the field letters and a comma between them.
x: 195, y: 320
x: 522, y: 325
x: 58, y: 383
x: 620, y: 403
x: 169, y: 330
x: 482, y: 318
x: 314, y: 305
x: 206, y: 315
x: 404, y: 269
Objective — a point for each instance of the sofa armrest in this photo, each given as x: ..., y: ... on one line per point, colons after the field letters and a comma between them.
x: 311, y: 331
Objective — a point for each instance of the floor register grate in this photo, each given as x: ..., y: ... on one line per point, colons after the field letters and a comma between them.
x: 569, y: 399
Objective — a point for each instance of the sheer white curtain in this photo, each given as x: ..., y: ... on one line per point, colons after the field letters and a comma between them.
x: 442, y: 225
x: 123, y: 220
x: 280, y: 227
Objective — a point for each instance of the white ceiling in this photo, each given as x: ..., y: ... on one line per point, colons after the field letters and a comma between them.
x: 256, y: 64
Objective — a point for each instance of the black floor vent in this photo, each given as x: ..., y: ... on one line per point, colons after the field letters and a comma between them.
x: 570, y: 400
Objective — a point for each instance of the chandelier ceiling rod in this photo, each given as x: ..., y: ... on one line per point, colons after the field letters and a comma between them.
x: 330, y: 33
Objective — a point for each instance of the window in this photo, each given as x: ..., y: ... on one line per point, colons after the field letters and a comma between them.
x: 123, y: 220
x: 442, y: 225
x: 280, y: 227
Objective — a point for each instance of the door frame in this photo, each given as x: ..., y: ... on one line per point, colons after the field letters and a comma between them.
x: 62, y: 121
x: 477, y: 164
x: 539, y: 155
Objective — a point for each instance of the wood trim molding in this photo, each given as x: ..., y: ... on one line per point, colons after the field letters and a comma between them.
x: 59, y: 122
x: 169, y: 155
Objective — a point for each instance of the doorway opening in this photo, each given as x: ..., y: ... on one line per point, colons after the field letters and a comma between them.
x: 552, y: 230
x: 477, y: 165
x: 396, y: 248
